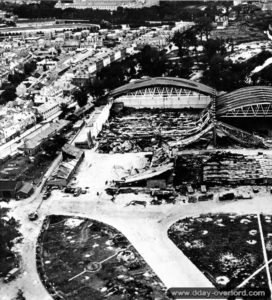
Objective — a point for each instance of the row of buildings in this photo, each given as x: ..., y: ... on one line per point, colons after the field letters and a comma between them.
x: 105, y: 4
x: 60, y: 69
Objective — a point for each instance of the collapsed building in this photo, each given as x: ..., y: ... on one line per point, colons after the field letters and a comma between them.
x: 144, y: 130
x: 223, y: 168
x: 157, y: 175
x: 154, y: 177
x: 182, y: 173
x: 147, y: 112
x: 164, y: 116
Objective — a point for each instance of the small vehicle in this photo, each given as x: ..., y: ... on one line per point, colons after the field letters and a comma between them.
x: 69, y: 190
x: 190, y: 190
x: 83, y: 192
x: 226, y: 196
x: 54, y: 187
x: 255, y: 189
x: 77, y: 192
x: 136, y: 202
x: 203, y: 188
x: 11, y: 275
x: 33, y: 216
x: 46, y: 195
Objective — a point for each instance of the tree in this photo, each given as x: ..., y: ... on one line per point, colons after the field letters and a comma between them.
x: 152, y: 61
x: 204, y: 26
x: 20, y: 295
x: 183, y: 40
x: 9, y: 94
x: 212, y: 47
x: 113, y: 76
x: 186, y: 67
x: 64, y: 110
x: 16, y: 78
x: 80, y: 97
x: 8, y: 232
x: 224, y: 75
x: 29, y: 67
x: 96, y: 88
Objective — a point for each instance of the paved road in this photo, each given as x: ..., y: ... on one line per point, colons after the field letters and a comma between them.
x: 146, y: 228
x: 264, y: 253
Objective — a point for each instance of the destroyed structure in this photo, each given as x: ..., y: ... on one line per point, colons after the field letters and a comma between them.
x: 164, y: 116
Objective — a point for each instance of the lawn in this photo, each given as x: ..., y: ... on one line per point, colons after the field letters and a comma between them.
x: 225, y: 247
x: 115, y: 270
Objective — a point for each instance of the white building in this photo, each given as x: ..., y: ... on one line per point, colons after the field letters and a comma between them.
x: 48, y: 109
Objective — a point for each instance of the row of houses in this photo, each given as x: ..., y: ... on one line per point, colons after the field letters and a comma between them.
x: 32, y: 145
x: 15, y: 189
x: 12, y: 187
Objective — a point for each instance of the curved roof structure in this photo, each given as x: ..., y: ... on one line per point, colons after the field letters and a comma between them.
x: 243, y: 97
x: 162, y: 81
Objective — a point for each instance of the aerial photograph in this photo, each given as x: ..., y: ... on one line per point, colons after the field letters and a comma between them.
x: 135, y: 149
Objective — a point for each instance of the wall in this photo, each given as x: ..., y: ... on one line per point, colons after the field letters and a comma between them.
x: 176, y: 102
x: 100, y: 117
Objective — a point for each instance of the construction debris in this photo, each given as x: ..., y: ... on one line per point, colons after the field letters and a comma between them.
x: 145, y: 130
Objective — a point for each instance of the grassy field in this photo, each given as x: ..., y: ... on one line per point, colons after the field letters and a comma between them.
x: 114, y: 269
x: 267, y: 231
x: 226, y: 248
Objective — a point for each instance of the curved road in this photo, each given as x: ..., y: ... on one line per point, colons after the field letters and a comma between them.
x: 146, y: 228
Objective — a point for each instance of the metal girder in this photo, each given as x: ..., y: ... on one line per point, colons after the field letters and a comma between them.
x: 254, y: 110
x: 240, y: 135
x: 161, y: 92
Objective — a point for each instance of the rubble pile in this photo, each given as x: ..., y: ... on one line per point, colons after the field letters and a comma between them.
x: 161, y: 156
x: 233, y: 168
x: 189, y: 169
x: 146, y: 130
x: 223, y: 168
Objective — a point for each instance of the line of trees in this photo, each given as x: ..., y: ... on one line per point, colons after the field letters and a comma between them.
x: 166, y: 11
x: 14, y: 80
x: 217, y: 71
x: 148, y: 62
x: 8, y: 232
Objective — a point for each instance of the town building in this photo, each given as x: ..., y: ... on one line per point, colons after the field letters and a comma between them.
x: 33, y: 144
x: 105, y: 4
x: 71, y: 159
x: 48, y: 109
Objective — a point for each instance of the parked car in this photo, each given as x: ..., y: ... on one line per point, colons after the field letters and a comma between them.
x: 77, y: 192
x: 46, y: 195
x: 33, y: 216
x: 136, y: 202
x: 69, y: 190
x: 11, y: 275
x: 203, y: 188
x: 190, y: 190
x: 255, y: 189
